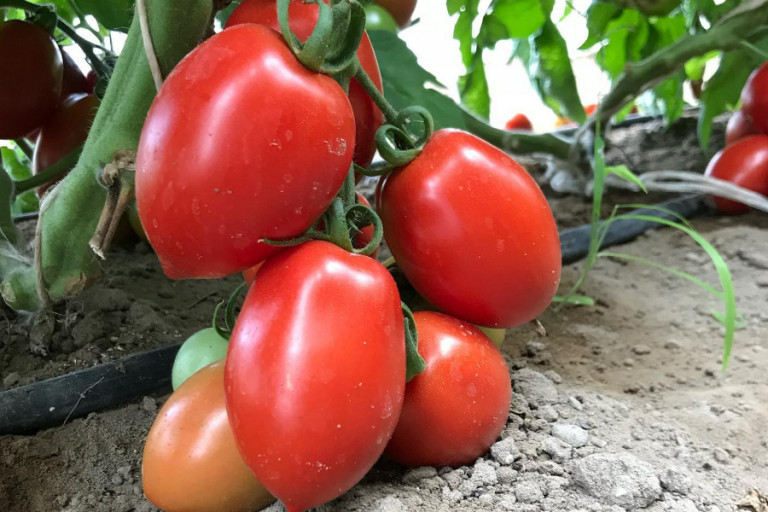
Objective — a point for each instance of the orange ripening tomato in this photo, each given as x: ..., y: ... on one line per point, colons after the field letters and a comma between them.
x: 590, y: 109
x: 519, y: 122
x: 191, y: 462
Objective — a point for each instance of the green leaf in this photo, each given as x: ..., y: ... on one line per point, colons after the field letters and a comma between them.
x: 667, y: 97
x: 16, y: 165
x: 578, y: 300
x: 405, y: 81
x: 492, y: 30
x: 623, y: 172
x: 723, y: 90
x: 223, y: 15
x: 694, y: 68
x: 599, y: 15
x: 473, y: 88
x: 550, y: 72
x: 113, y: 14
x: 462, y: 30
x: 627, y: 36
x: 522, y: 18
x: 568, y: 10
x: 63, y: 8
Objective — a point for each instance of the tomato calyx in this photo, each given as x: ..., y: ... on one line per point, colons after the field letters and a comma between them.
x: 414, y: 363
x: 230, y: 313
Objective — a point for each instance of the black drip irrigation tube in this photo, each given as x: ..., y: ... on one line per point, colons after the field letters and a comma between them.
x: 53, y: 402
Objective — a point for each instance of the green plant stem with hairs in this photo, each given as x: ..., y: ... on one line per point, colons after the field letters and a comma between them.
x: 66, y: 262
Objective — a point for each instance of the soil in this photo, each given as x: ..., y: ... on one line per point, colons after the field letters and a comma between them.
x: 621, y: 406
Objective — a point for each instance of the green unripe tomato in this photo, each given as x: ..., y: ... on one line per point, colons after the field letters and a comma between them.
x: 201, y: 349
x: 378, y: 18
x: 496, y: 335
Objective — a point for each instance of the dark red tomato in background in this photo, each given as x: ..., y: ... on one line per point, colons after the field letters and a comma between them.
x: 303, y: 18
x: 738, y: 127
x: 30, y: 77
x: 401, y: 10
x: 743, y: 163
x: 65, y: 131
x: 316, y: 372
x: 242, y: 143
x: 191, y: 462
x: 754, y: 98
x: 73, y: 80
x: 456, y: 408
x: 519, y: 122
x: 472, y: 231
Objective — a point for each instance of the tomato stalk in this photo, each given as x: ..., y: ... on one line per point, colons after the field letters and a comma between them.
x: 66, y: 263
x: 52, y: 173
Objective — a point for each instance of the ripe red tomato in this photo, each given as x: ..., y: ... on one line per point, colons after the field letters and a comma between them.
x: 316, y: 372
x: 754, y: 98
x: 738, y: 127
x: 303, y: 18
x: 519, y: 122
x: 30, y: 77
x: 743, y: 163
x: 242, y: 143
x: 73, y: 80
x: 401, y: 10
x: 66, y: 130
x: 472, y: 231
x: 191, y: 462
x: 457, y: 407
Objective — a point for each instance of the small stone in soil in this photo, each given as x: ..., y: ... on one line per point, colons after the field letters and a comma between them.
x: 528, y: 492
x: 534, y: 348
x: 571, y: 434
x: 414, y: 475
x: 548, y: 413
x: 641, y: 349
x: 11, y: 379
x: 149, y: 404
x: 559, y: 450
x: 553, y: 376
x: 618, y: 479
x: 676, y: 479
x: 537, y: 389
x: 505, y: 451
x: 506, y: 475
x: 389, y: 504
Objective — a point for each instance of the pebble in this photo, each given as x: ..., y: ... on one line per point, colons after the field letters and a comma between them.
x: 548, y: 413
x: 528, y: 492
x: 676, y: 479
x: 149, y: 404
x: 553, y: 376
x: 389, y: 504
x: 619, y: 479
x: 506, y: 475
x: 641, y: 349
x: 672, y: 345
x: 575, y: 403
x: 484, y: 473
x: 505, y: 451
x: 537, y: 389
x: 11, y: 379
x: 560, y: 451
x: 534, y: 348
x: 414, y: 475
x: 721, y: 456
x: 571, y: 434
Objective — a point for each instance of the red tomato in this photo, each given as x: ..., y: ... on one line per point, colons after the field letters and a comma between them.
x: 303, y: 18
x: 754, y: 98
x: 401, y: 10
x: 66, y: 130
x: 739, y: 126
x: 249, y: 274
x: 30, y: 77
x: 744, y: 163
x: 519, y: 122
x: 590, y: 109
x: 472, y: 231
x: 73, y: 80
x: 316, y: 372
x: 457, y: 407
x: 191, y: 462
x: 242, y: 143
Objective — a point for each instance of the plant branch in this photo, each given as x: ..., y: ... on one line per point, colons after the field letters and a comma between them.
x: 149, y: 47
x: 57, y: 170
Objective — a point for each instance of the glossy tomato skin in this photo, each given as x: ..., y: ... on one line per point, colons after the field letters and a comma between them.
x: 754, y: 98
x: 73, y: 80
x: 316, y: 372
x: 65, y: 130
x: 743, y: 163
x: 191, y: 462
x: 378, y: 18
x: 303, y: 18
x: 457, y: 407
x: 472, y: 231
x: 30, y: 77
x: 242, y: 143
x: 401, y: 10
x: 519, y: 122
x: 739, y: 126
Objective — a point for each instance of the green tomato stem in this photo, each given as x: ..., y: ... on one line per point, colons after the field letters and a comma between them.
x: 390, y: 114
x: 52, y: 173
x: 25, y: 147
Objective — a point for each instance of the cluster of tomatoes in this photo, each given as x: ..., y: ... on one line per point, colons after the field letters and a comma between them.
x: 43, y: 94
x: 744, y: 160
x: 244, y: 153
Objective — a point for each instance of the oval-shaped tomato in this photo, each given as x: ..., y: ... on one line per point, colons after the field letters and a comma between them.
x: 242, y: 143
x: 201, y: 349
x: 754, y: 98
x: 401, y: 10
x: 743, y: 163
x: 65, y: 130
x: 303, y: 18
x: 739, y: 126
x: 472, y: 231
x: 316, y: 372
x: 191, y: 462
x: 73, y: 80
x: 456, y: 408
x: 30, y: 77
x: 519, y: 122
x: 378, y: 18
